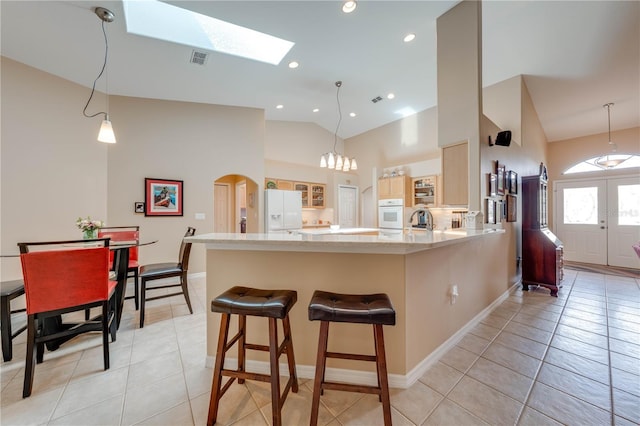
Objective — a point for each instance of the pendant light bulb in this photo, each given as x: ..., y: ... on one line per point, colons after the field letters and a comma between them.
x: 331, y: 162
x: 106, y: 134
x: 347, y: 164
x: 323, y: 161
x: 354, y: 165
x: 339, y: 162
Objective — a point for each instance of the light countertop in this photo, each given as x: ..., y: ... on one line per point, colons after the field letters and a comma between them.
x: 347, y: 241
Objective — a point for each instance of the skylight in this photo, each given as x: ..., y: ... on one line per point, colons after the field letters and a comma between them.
x: 151, y: 18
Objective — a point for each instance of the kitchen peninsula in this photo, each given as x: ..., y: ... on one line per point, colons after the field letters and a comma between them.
x: 416, y: 269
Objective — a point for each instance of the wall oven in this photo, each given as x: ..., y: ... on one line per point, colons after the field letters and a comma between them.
x: 391, y: 213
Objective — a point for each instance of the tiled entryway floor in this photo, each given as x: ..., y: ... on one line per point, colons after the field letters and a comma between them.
x: 535, y: 360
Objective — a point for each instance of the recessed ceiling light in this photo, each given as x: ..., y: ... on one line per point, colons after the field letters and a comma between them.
x: 391, y: 96
x: 293, y: 64
x: 279, y: 106
x: 349, y: 6
x: 316, y: 109
x: 352, y: 114
x: 409, y: 37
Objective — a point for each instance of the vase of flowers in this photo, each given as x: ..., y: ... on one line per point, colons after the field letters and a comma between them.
x: 89, y: 227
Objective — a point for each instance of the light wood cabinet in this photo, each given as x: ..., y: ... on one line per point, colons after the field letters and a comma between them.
x: 425, y: 191
x: 395, y: 187
x: 304, y: 189
x: 455, y: 175
x: 318, y: 195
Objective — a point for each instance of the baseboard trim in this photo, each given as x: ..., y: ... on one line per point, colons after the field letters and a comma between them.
x: 370, y: 378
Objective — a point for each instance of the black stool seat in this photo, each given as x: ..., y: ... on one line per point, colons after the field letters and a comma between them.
x: 255, y: 302
x: 9, y: 290
x: 352, y: 308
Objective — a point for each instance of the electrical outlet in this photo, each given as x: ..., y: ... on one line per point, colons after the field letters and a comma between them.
x: 454, y: 294
x: 199, y: 216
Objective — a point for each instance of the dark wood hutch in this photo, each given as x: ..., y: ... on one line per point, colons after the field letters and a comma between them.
x: 542, y: 251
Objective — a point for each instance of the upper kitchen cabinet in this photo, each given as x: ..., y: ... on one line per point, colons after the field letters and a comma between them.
x: 397, y: 187
x: 270, y: 183
x: 455, y: 174
x: 425, y: 191
x: 318, y: 192
x: 304, y: 189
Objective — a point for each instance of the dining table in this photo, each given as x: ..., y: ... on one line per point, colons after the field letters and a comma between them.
x: 120, y: 251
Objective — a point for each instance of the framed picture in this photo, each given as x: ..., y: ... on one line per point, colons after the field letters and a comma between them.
x: 513, y: 182
x: 512, y: 206
x: 163, y: 197
x: 493, y: 182
x: 490, y: 207
x: 501, y: 180
x: 138, y: 207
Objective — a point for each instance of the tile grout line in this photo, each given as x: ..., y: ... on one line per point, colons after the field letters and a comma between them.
x: 544, y: 355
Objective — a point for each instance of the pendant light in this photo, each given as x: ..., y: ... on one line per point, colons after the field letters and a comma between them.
x: 333, y: 160
x: 610, y: 161
x: 106, y: 129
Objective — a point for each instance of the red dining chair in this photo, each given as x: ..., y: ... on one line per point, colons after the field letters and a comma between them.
x: 157, y: 271
x: 64, y: 277
x: 126, y: 233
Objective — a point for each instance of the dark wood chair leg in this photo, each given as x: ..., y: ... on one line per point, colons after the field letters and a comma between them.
x: 143, y: 292
x: 293, y: 377
x: 185, y: 290
x: 136, y: 289
x: 242, y: 329
x: 30, y: 362
x: 217, y: 371
x: 321, y: 361
x: 105, y: 333
x: 5, y: 319
x: 275, y: 373
x: 381, y: 362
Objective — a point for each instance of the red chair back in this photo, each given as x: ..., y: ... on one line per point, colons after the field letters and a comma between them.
x: 58, y: 279
x: 129, y: 233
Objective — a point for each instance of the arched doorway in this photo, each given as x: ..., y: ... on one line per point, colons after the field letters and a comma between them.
x: 235, y: 204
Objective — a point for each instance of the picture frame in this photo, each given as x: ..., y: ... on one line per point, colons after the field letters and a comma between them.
x: 501, y: 180
x: 138, y: 207
x: 163, y: 197
x: 513, y: 182
x: 493, y: 182
x: 490, y: 208
x: 512, y: 208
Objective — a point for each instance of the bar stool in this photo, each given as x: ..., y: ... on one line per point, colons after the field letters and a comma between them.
x: 245, y: 301
x: 9, y: 290
x: 374, y: 309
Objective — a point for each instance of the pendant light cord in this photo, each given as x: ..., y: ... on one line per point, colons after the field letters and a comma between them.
x: 93, y: 89
x: 335, y: 134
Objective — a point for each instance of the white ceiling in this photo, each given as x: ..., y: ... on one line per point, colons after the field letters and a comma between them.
x: 575, y: 56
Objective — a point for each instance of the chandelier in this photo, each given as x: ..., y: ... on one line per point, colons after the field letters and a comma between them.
x: 332, y: 159
x: 610, y: 161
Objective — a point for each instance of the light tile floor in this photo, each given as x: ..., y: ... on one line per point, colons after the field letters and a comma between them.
x: 535, y: 360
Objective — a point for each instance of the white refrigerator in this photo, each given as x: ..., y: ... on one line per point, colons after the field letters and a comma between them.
x: 283, y: 210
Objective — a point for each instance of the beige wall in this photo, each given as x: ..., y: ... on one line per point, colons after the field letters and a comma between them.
x: 52, y: 168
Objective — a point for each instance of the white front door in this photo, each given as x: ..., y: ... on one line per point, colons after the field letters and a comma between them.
x: 347, y: 206
x: 624, y: 221
x: 599, y: 220
x: 581, y: 220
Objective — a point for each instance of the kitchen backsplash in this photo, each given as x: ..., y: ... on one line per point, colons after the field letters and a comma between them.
x: 317, y: 217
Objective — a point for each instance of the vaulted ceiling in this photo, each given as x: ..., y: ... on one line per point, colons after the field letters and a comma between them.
x: 575, y: 56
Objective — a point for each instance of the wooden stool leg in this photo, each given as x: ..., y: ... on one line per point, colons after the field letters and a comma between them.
x: 275, y: 372
x: 321, y: 361
x: 381, y: 362
x: 293, y: 377
x: 217, y: 371
x: 242, y: 329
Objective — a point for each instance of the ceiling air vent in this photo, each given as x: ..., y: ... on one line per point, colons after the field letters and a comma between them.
x: 376, y: 99
x: 199, y: 57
